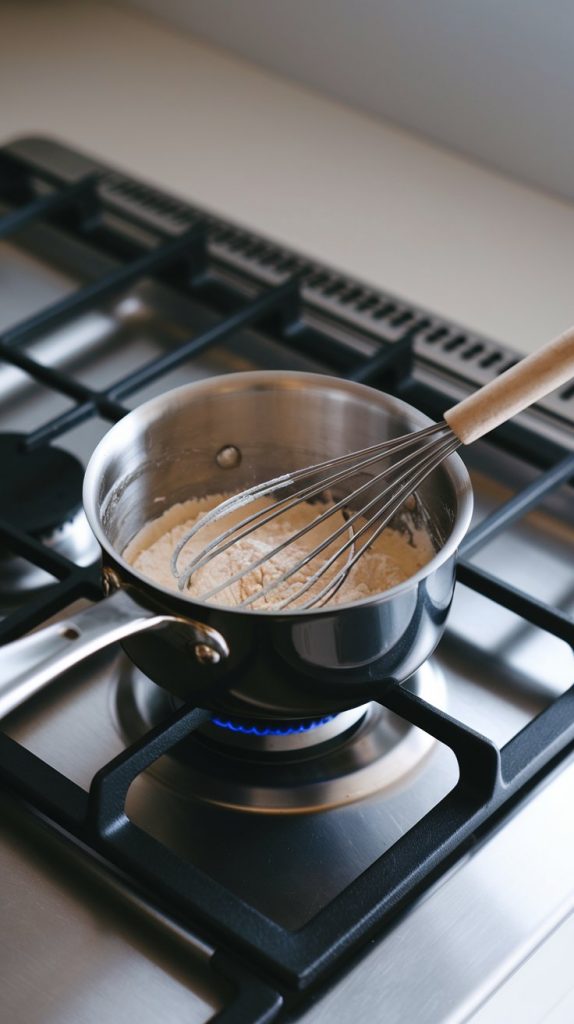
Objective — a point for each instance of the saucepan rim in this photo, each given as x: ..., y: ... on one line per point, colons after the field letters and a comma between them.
x: 143, y: 417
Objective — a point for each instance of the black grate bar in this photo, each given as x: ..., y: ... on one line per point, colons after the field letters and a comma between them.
x: 60, y: 424
x: 395, y: 356
x: 45, y: 374
x: 263, y: 305
x: 109, y: 788
x: 36, y: 612
x: 60, y: 382
x: 45, y: 206
x: 190, y: 243
x: 99, y: 403
x: 517, y: 506
x: 62, y: 798
x: 477, y: 756
x: 553, y: 620
x: 542, y: 738
x: 255, y: 1002
x: 104, y: 401
x: 45, y: 558
x: 109, y: 409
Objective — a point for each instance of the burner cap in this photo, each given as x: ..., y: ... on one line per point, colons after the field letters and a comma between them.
x: 42, y: 488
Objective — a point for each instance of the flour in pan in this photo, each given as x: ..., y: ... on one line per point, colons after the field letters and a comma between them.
x: 394, y: 556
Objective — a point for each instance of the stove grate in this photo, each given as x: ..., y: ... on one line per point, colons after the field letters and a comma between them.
x: 490, y: 778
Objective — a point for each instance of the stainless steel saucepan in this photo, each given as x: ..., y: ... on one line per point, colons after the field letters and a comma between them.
x: 218, y: 436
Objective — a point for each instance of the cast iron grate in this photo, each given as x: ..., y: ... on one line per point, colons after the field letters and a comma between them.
x: 489, y: 777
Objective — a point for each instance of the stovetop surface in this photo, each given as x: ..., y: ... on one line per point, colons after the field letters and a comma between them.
x: 494, y: 671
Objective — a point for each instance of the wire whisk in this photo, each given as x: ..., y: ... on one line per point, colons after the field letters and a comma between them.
x: 369, y: 506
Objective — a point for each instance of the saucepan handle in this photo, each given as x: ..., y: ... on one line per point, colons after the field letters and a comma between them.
x: 29, y: 664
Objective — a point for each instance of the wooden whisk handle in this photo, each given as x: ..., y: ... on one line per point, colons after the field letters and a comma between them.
x: 505, y: 396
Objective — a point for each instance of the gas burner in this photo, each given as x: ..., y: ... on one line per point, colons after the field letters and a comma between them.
x: 260, y: 736
x: 42, y: 496
x: 280, y: 766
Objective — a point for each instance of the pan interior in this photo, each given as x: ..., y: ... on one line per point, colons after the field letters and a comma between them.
x: 228, y: 434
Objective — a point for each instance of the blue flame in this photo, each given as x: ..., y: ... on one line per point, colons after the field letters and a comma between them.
x: 256, y: 730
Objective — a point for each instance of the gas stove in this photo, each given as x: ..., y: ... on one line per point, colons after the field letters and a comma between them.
x: 400, y: 859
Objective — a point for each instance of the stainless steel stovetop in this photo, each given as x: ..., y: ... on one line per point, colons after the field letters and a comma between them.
x: 283, y: 823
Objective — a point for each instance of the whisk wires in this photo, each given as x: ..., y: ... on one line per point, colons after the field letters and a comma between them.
x: 421, y: 454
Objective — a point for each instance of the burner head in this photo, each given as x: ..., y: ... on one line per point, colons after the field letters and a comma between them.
x: 275, y: 736
x: 279, y: 767
x: 41, y: 496
x: 42, y: 488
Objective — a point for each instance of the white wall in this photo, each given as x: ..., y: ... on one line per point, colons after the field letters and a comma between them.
x: 493, y: 79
